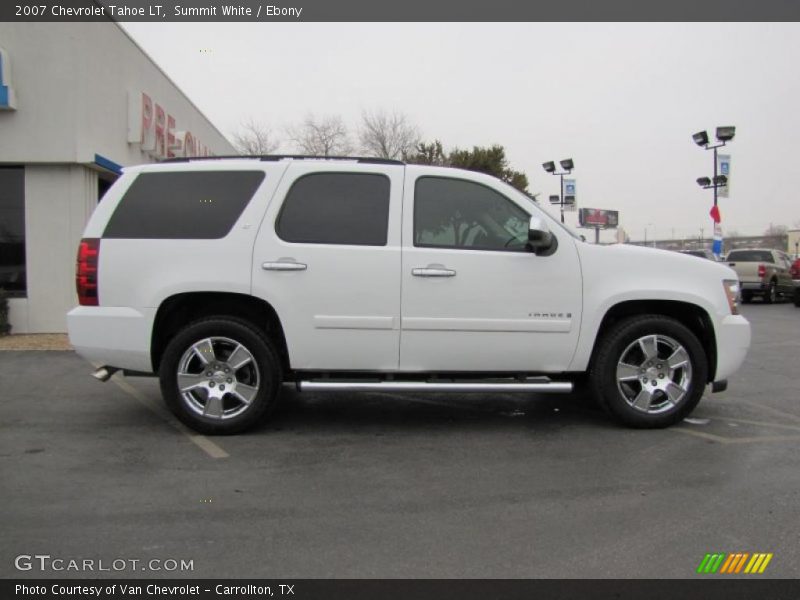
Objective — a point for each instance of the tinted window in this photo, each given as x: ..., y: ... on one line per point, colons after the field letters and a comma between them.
x: 12, y: 230
x: 453, y: 213
x: 185, y: 205
x: 336, y: 208
x: 750, y: 256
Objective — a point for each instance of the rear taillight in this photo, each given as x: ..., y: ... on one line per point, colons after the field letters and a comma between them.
x: 86, y: 271
x: 762, y: 270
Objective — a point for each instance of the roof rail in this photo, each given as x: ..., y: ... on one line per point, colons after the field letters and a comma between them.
x: 276, y: 157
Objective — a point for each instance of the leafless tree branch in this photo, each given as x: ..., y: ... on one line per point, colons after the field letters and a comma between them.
x: 321, y: 136
x: 386, y: 134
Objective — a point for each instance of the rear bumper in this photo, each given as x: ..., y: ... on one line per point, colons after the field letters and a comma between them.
x: 733, y: 342
x: 112, y: 335
x: 752, y: 286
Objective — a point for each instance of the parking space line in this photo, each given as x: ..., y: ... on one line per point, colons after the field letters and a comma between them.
x: 772, y: 410
x: 703, y: 434
x: 201, y: 441
x: 764, y: 424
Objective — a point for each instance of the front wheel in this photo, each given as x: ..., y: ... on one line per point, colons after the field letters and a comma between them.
x: 220, y: 375
x: 650, y: 371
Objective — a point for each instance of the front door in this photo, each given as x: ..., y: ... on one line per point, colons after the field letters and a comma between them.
x: 473, y: 298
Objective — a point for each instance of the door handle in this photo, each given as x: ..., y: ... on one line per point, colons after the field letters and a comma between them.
x: 432, y: 271
x: 284, y: 265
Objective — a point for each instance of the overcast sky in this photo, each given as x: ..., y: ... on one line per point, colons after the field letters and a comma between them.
x: 621, y: 100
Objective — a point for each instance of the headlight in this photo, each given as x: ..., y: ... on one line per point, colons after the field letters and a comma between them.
x: 731, y: 287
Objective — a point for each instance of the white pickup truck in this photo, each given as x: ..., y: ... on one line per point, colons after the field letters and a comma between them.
x: 762, y: 272
x: 231, y: 277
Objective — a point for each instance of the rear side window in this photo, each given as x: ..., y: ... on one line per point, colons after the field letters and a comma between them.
x: 336, y: 208
x: 750, y: 256
x: 183, y: 205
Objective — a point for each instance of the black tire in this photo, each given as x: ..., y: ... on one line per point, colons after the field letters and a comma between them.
x: 747, y: 297
x: 771, y: 295
x: 618, y: 342
x: 797, y: 297
x: 262, y: 373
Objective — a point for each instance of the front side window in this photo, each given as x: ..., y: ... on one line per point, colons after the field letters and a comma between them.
x: 455, y: 213
x: 336, y: 208
x: 12, y: 230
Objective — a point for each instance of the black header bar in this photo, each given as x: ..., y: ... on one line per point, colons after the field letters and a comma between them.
x: 407, y: 10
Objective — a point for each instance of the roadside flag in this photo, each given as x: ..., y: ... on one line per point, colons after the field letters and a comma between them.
x: 715, y: 214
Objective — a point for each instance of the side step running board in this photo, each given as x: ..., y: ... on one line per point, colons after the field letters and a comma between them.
x: 538, y: 385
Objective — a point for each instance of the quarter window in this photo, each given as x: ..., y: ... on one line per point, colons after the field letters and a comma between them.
x: 336, y: 208
x: 183, y: 205
x: 454, y: 213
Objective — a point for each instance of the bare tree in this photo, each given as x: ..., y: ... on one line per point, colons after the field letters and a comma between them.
x: 775, y: 236
x: 321, y: 136
x: 254, y: 138
x: 387, y: 135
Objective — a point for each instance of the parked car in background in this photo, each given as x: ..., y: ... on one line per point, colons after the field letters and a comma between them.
x: 763, y: 272
x: 700, y: 253
x: 795, y: 272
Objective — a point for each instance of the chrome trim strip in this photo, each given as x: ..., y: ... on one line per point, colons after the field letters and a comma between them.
x: 556, y: 387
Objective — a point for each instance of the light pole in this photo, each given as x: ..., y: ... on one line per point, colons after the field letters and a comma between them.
x: 724, y: 135
x: 654, y: 234
x: 567, y: 165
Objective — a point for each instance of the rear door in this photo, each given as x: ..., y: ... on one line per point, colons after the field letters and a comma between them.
x: 327, y: 258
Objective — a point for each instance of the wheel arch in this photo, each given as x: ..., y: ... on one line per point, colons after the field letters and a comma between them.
x: 693, y: 317
x: 177, y: 311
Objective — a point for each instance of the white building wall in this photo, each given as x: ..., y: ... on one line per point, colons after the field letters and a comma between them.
x: 72, y: 84
x: 58, y: 201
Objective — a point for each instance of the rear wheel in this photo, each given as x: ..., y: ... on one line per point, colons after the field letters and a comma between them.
x: 650, y: 371
x: 747, y: 297
x: 220, y: 375
x: 771, y: 295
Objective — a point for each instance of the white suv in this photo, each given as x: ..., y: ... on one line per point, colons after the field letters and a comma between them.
x: 230, y: 277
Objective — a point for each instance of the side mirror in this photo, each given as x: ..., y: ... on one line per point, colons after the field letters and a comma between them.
x: 540, y: 240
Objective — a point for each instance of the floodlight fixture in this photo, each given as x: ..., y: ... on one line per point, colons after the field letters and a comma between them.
x: 550, y: 167
x: 726, y: 133
x: 703, y: 181
x: 567, y: 164
x: 700, y: 138
x: 721, y: 180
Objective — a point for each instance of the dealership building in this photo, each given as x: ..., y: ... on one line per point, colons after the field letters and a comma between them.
x: 78, y: 101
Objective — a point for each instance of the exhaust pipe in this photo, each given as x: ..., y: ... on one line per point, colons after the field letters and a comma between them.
x: 104, y: 373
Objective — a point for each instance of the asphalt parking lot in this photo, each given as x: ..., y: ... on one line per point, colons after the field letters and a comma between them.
x: 376, y: 485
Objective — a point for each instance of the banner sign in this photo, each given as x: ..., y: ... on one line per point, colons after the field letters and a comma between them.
x: 716, y: 246
x: 8, y: 99
x: 724, y: 168
x: 569, y: 191
x: 598, y: 218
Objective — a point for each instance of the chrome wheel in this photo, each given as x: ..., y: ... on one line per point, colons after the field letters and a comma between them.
x: 218, y: 378
x: 654, y: 373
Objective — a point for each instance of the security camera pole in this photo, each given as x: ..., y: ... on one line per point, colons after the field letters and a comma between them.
x: 724, y: 135
x: 567, y: 165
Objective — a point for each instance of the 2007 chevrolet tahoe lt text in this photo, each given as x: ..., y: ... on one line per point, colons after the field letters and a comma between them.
x: 231, y: 277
